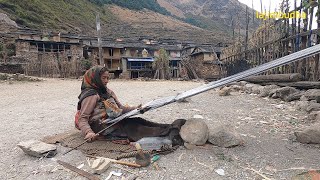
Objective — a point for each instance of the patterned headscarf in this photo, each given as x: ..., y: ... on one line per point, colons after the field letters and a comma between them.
x: 92, y: 84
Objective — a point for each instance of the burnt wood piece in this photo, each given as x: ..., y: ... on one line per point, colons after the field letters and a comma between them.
x: 275, y: 78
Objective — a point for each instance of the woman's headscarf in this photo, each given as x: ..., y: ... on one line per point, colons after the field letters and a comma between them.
x: 92, y: 84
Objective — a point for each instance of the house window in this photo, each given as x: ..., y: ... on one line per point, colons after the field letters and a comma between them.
x: 109, y: 64
x: 139, y: 65
x: 173, y: 63
x: 111, y: 52
x: 218, y: 55
x: 48, y: 47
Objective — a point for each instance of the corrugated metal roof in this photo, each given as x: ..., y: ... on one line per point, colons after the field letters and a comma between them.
x: 141, y: 59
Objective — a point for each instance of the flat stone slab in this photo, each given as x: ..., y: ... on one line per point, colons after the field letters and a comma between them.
x: 38, y: 149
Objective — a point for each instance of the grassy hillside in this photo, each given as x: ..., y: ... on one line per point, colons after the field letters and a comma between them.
x: 57, y: 14
x: 131, y: 20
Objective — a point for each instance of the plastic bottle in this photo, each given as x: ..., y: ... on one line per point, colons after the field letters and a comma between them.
x: 154, y: 143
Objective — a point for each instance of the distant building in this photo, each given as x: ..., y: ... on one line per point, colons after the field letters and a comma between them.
x: 63, y: 55
x: 45, y: 54
x: 133, y: 59
x: 206, y: 62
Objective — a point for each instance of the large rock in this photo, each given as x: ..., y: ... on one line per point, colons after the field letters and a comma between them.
x: 38, y: 149
x: 225, y: 91
x: 314, y: 116
x: 302, y: 105
x: 310, y: 135
x: 312, y: 94
x: 313, y: 107
x: 195, y: 131
x: 294, y: 96
x: 252, y: 88
x: 265, y: 90
x: 283, y: 93
x: 256, y: 89
x: 225, y: 136
x: 236, y: 88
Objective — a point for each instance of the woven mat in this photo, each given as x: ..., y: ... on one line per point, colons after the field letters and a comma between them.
x: 97, y: 148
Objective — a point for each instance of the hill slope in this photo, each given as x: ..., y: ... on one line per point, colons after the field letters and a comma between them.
x: 215, y: 15
x: 144, y: 19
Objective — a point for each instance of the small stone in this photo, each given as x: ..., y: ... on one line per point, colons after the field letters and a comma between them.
x: 197, y: 116
x: 189, y: 146
x: 302, y: 105
x: 283, y: 92
x: 312, y: 94
x: 256, y: 89
x: 309, y: 135
x: 38, y: 149
x: 236, y: 88
x: 314, y: 116
x: 225, y: 91
x: 280, y: 106
x: 225, y: 136
x: 220, y: 172
x: 313, y: 107
x: 143, y: 171
x: 265, y: 90
x: 294, y: 96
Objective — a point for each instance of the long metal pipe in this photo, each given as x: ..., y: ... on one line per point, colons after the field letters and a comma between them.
x: 167, y: 100
x: 239, y: 76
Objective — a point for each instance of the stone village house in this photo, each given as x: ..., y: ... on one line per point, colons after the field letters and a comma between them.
x: 205, y: 60
x: 133, y: 59
x: 53, y: 55
x: 61, y: 55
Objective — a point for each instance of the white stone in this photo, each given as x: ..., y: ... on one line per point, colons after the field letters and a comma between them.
x: 197, y: 116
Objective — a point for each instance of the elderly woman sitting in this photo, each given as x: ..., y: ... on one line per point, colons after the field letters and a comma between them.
x: 98, y: 103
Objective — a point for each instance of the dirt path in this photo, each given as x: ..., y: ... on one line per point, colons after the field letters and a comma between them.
x: 34, y: 110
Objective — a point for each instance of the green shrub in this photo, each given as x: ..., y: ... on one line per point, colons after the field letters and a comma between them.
x: 86, y: 64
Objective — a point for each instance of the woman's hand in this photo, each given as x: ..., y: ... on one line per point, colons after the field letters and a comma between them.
x: 90, y: 137
x: 139, y: 106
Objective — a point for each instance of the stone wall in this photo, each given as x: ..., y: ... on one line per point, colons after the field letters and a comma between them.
x: 76, y: 52
x: 205, y: 69
x: 22, y: 48
x: 49, y: 64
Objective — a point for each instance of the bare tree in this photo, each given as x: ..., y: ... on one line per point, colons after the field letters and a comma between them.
x: 161, y: 65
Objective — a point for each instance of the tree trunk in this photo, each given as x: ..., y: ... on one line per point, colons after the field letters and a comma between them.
x: 275, y: 78
x: 298, y: 85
